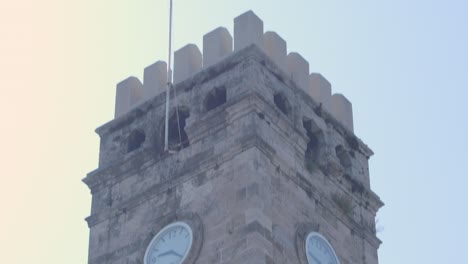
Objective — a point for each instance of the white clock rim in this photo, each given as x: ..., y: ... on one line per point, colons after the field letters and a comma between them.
x: 178, y: 223
x: 315, y: 234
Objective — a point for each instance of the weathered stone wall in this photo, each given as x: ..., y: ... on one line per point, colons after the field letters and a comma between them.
x: 248, y: 182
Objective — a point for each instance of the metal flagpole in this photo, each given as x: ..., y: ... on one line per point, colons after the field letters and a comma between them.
x: 169, y: 81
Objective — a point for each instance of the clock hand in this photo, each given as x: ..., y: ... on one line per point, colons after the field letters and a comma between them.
x: 170, y: 252
x: 177, y: 254
x: 164, y: 254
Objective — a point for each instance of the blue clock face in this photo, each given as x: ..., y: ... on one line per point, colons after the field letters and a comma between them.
x: 171, y: 245
x: 319, y: 251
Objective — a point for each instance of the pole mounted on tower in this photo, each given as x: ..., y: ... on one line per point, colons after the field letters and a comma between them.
x: 169, y: 81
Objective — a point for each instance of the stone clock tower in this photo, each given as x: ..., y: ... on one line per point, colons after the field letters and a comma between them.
x: 266, y: 167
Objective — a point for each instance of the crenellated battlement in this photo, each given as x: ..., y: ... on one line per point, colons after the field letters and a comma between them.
x: 219, y: 44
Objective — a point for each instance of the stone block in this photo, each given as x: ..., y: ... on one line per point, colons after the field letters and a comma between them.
x: 155, y: 79
x: 276, y: 48
x: 342, y: 110
x: 128, y: 93
x: 187, y: 62
x: 255, y: 215
x: 320, y: 89
x: 217, y: 44
x: 298, y: 70
x: 248, y: 29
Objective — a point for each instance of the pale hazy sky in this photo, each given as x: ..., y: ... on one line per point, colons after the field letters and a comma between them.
x: 403, y: 64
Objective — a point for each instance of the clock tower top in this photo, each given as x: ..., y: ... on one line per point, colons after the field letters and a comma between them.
x: 264, y: 165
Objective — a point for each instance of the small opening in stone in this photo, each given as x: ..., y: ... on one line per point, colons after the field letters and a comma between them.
x: 282, y: 103
x: 315, y: 136
x: 312, y: 145
x: 343, y: 156
x: 177, y: 142
x: 135, y: 140
x: 215, y: 98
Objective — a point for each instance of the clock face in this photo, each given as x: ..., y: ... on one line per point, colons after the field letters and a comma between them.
x: 171, y: 245
x: 319, y: 251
